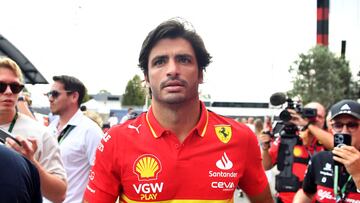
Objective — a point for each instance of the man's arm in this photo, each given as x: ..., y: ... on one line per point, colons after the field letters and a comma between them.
x: 52, y: 186
x: 324, y: 137
x: 350, y: 157
x: 265, y: 146
x: 302, y: 197
x: 264, y: 197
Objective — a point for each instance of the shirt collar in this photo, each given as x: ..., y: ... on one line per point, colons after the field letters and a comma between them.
x: 157, y: 130
x: 74, y: 121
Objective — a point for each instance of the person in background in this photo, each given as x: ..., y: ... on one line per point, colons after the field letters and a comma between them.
x: 178, y: 150
x: 127, y: 116
x: 37, y: 145
x: 78, y: 135
x: 308, y: 145
x: 20, y: 181
x: 113, y: 120
x: 320, y: 183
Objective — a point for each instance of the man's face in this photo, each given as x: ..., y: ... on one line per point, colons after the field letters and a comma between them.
x: 8, y: 99
x: 60, y: 99
x: 348, y: 124
x: 320, y: 117
x: 173, y: 74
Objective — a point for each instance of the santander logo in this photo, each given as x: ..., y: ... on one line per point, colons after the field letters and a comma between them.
x: 224, y: 163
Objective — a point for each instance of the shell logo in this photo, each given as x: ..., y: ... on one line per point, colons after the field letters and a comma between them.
x: 297, y: 151
x: 147, y: 167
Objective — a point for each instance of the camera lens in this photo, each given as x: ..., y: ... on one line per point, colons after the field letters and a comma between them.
x: 285, y: 116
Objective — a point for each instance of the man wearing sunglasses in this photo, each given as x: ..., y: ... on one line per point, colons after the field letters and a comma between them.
x: 77, y: 135
x: 37, y: 144
x: 326, y: 182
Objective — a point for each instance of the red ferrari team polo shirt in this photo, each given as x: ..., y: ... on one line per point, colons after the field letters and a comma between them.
x: 142, y: 162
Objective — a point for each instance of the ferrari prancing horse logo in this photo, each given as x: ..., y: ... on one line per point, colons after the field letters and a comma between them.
x: 223, y: 132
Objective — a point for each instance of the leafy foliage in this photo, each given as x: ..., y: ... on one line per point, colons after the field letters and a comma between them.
x: 134, y: 93
x: 321, y: 76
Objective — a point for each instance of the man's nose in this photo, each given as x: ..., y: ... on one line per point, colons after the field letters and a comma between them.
x: 345, y: 129
x: 173, y: 68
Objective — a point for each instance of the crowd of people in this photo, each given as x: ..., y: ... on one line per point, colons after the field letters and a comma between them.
x: 176, y: 151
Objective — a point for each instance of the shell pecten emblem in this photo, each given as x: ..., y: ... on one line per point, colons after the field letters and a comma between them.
x: 147, y: 167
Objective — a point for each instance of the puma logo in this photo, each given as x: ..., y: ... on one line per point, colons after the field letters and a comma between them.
x: 135, y: 128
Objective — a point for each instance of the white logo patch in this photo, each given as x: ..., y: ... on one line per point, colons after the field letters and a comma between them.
x: 135, y: 128
x: 224, y: 163
x: 345, y: 107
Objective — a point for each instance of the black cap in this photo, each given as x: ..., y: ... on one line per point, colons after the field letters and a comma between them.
x: 349, y: 107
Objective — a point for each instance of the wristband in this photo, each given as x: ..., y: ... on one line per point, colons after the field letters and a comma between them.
x: 305, y: 126
x: 357, y: 190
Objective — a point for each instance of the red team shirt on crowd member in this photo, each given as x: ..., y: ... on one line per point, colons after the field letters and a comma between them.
x: 141, y: 162
x: 301, y: 159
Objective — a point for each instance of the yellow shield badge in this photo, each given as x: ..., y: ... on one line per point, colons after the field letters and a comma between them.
x: 223, y: 132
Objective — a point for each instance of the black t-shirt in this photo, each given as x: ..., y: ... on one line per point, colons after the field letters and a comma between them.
x: 19, y: 179
x: 319, y: 180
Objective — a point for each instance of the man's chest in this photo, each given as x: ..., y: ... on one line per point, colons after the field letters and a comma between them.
x: 168, y: 170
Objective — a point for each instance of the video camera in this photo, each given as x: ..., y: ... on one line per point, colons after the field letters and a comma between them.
x: 286, y: 181
x: 280, y: 98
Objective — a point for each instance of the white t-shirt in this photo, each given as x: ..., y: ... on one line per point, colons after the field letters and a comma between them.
x: 113, y: 120
x: 78, y: 153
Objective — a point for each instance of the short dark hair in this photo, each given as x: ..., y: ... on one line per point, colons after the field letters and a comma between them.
x: 72, y: 84
x: 173, y: 29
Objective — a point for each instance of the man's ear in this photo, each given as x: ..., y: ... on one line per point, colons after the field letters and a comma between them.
x: 75, y: 96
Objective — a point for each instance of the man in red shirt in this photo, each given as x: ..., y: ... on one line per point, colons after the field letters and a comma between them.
x: 178, y: 151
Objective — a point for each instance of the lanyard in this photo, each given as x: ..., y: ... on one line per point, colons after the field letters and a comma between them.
x: 65, y: 132
x: 12, y: 124
x: 341, y: 196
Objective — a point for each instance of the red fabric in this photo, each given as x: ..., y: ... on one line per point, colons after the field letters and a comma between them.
x: 298, y: 169
x: 201, y: 168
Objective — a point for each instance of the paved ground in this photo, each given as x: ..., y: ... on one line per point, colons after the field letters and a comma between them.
x: 240, y: 199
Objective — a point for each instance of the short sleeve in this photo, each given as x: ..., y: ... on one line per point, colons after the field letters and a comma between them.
x: 273, y: 151
x: 104, y: 178
x: 254, y: 180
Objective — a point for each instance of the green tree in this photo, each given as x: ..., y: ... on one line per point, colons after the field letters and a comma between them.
x: 134, y: 93
x: 321, y: 76
x: 86, y: 97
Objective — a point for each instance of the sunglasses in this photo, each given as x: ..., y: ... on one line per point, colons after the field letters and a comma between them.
x: 352, y: 126
x: 55, y: 94
x: 14, y: 87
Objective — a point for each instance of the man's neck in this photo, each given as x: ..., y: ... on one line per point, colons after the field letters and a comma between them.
x: 179, y: 118
x: 7, y: 116
x: 65, y: 117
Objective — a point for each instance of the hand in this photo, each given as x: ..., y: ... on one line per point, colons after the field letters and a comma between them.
x: 296, y: 118
x: 28, y: 146
x: 350, y: 157
x: 265, y: 140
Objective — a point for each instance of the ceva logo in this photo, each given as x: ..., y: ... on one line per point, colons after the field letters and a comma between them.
x: 147, y: 167
x: 224, y: 163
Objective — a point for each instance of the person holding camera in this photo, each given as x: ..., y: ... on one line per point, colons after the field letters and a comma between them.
x: 334, y: 176
x: 306, y: 144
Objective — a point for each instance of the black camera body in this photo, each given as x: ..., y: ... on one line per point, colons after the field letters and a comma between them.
x: 286, y: 181
x: 308, y: 113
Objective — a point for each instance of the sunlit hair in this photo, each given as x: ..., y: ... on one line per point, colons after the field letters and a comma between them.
x: 72, y: 84
x: 171, y: 29
x: 11, y: 65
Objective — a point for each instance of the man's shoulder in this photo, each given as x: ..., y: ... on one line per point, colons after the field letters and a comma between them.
x: 25, y: 123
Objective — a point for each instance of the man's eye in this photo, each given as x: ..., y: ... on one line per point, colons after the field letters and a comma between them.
x: 184, y: 59
x: 159, y: 62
